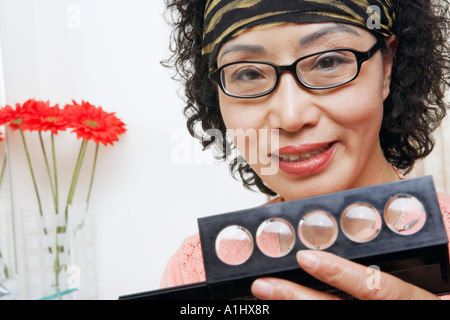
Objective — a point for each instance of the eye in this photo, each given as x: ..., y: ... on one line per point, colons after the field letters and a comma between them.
x: 331, y: 61
x: 250, y: 73
x: 326, y: 63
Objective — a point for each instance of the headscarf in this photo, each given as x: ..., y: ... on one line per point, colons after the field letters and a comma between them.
x: 224, y: 19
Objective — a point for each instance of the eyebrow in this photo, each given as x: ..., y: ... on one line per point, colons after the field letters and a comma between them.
x: 244, y: 47
x: 325, y: 31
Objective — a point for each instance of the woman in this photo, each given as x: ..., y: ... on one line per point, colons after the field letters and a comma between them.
x: 352, y: 90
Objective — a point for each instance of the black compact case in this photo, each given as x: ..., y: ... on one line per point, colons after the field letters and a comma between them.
x: 396, y: 227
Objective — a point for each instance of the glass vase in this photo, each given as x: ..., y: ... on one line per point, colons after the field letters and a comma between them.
x: 7, y: 245
x: 55, y: 253
x: 53, y: 226
x: 7, y: 256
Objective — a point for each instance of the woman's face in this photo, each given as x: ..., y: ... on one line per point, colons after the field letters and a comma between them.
x: 327, y: 140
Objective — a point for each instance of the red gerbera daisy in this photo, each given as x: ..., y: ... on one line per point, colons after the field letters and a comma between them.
x: 7, y: 115
x: 93, y: 123
x: 16, y: 116
x: 41, y: 116
x: 21, y: 112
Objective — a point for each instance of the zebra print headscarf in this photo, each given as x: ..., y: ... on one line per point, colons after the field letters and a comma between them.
x: 224, y: 19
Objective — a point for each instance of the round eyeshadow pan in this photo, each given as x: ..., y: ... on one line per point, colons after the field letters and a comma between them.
x: 361, y: 222
x: 275, y: 237
x: 318, y: 230
x: 234, y: 245
x: 405, y: 214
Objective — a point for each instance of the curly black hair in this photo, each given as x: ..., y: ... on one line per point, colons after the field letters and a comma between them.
x: 413, y: 110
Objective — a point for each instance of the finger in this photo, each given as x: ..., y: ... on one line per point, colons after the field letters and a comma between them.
x: 355, y: 279
x: 279, y: 289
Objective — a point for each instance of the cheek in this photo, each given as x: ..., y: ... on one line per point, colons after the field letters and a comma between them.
x: 239, y: 113
x: 247, y: 127
x: 359, y: 109
x: 361, y: 113
x: 242, y: 120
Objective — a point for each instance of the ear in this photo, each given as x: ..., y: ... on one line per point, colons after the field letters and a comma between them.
x: 388, y: 61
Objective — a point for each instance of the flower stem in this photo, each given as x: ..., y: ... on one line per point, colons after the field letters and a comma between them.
x: 55, y: 174
x: 92, y: 174
x: 75, y: 176
x: 34, y: 180
x: 47, y: 166
x: 56, y: 265
x: 32, y: 172
x: 2, y: 174
x: 5, y: 267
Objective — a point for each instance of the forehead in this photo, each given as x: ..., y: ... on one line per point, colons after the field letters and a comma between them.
x: 302, y: 35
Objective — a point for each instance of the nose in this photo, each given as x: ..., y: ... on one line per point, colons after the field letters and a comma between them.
x: 292, y: 106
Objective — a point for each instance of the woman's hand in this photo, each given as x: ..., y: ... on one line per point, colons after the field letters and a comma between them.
x: 342, y: 274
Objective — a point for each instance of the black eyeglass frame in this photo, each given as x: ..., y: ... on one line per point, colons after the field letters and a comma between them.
x: 361, y: 57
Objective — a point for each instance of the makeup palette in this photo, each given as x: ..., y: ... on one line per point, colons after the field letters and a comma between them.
x: 397, y: 227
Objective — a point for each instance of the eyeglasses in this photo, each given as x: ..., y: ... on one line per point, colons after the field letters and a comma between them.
x: 319, y: 71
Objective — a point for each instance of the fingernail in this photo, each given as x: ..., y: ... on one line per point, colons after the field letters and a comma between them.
x: 307, y: 259
x: 262, y: 289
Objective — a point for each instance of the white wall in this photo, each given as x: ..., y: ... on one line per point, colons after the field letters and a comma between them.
x: 107, y: 52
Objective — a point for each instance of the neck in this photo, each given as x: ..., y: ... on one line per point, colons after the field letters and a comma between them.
x: 384, y: 174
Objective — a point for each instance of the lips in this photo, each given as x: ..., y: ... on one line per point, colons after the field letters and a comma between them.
x: 305, y: 159
x: 303, y: 156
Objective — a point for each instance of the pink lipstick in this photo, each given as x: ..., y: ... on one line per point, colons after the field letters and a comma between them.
x: 305, y: 159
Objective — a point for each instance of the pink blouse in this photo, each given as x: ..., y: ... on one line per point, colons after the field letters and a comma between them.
x: 186, y: 265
